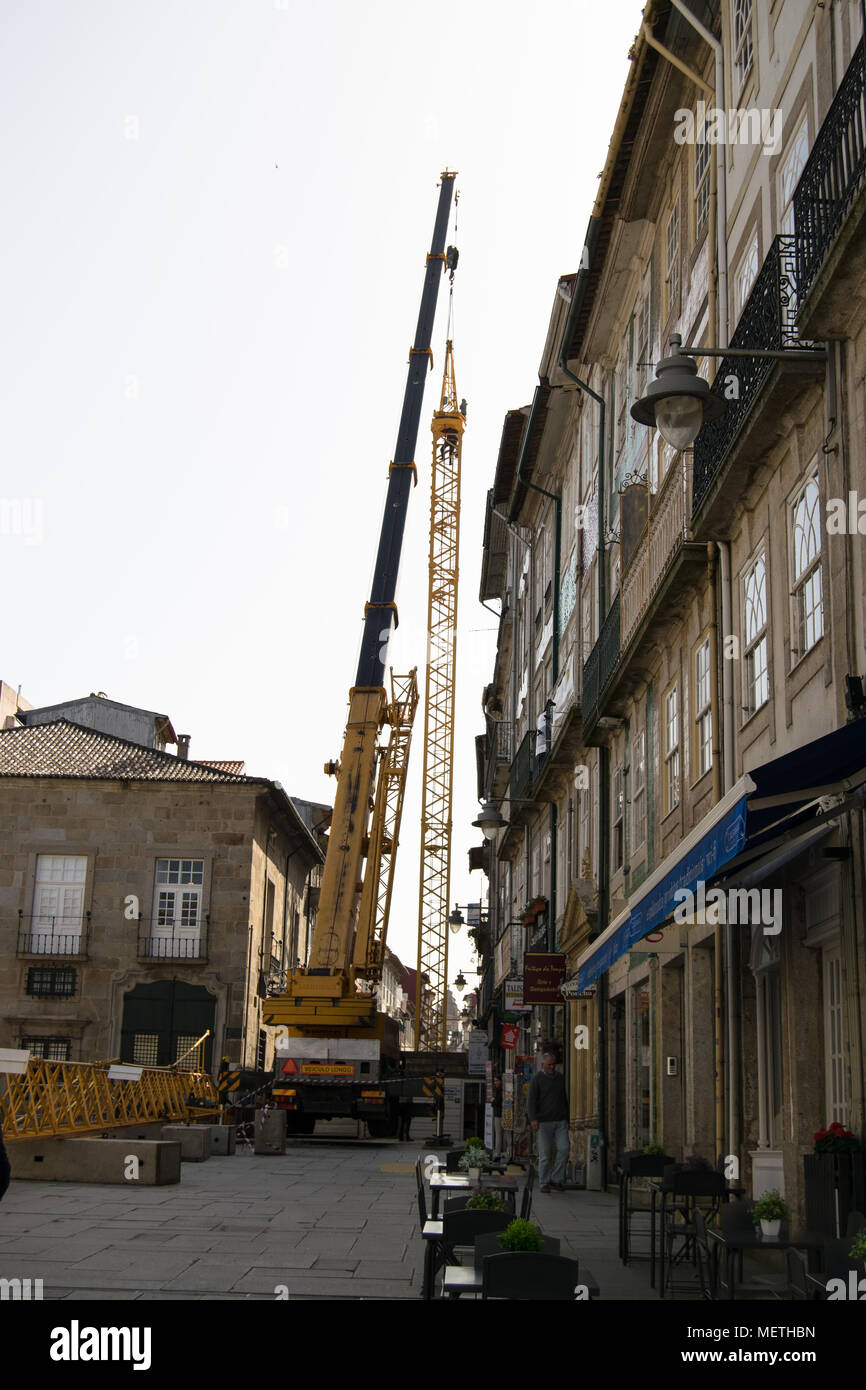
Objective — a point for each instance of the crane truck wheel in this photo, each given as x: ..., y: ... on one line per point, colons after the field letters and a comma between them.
x: 300, y: 1124
x: 384, y: 1128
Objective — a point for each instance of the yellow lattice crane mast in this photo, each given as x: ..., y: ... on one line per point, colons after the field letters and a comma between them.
x: 448, y: 425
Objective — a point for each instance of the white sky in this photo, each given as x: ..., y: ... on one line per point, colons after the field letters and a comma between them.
x: 215, y: 219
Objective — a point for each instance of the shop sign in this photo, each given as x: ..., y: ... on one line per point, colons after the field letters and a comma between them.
x: 543, y: 973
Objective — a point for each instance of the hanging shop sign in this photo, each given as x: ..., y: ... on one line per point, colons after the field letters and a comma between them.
x: 512, y: 999
x: 543, y: 974
x: 510, y: 1035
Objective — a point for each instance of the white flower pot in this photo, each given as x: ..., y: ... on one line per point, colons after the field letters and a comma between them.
x: 771, y: 1228
x: 475, y: 1175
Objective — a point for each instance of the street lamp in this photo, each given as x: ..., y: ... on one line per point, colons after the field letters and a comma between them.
x: 457, y: 920
x: 489, y: 818
x: 679, y: 401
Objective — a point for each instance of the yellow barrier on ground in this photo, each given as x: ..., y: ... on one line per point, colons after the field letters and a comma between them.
x: 77, y: 1097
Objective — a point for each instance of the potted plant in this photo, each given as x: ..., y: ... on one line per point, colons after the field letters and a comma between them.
x: 835, y: 1179
x: 858, y: 1249
x: 485, y: 1201
x: 770, y: 1211
x: 474, y: 1159
x: 521, y: 1235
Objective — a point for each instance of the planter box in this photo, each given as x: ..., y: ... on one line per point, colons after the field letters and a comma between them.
x: 834, y: 1186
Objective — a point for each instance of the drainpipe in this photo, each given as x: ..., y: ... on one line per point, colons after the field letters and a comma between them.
x: 603, y: 755
x: 557, y: 541
x: 731, y: 987
x: 718, y: 963
x: 721, y: 169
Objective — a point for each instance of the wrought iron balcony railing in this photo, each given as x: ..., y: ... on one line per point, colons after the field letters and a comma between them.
x: 520, y: 778
x: 833, y: 174
x: 47, y: 935
x: 502, y: 741
x: 768, y: 321
x: 601, y: 664
x: 664, y: 534
x: 162, y: 940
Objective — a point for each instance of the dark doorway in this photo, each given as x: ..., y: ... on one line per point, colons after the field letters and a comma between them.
x: 162, y: 1021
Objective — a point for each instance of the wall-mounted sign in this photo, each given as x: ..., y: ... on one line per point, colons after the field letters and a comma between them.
x: 512, y: 998
x: 543, y: 973
x: 510, y: 1035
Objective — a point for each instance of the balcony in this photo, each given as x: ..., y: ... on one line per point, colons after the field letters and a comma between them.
x: 159, y: 939
x: 829, y: 211
x: 599, y: 669
x: 756, y: 391
x: 44, y: 935
x: 656, y: 549
x: 522, y: 768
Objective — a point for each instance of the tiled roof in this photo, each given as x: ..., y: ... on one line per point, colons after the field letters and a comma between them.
x: 63, y: 749
x: 235, y: 765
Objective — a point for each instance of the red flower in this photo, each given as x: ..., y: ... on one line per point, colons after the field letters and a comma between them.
x: 819, y: 1134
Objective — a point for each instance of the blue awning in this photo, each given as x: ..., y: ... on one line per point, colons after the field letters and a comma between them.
x: 765, y: 808
x: 702, y: 860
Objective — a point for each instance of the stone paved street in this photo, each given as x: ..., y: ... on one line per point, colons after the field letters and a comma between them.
x: 324, y: 1220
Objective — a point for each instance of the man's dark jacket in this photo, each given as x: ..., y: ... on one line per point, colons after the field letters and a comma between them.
x: 547, y: 1099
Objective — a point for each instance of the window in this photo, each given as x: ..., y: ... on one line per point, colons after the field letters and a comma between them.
x: 58, y: 904
x: 790, y: 170
x: 834, y: 1036
x: 48, y: 981
x: 745, y: 274
x: 641, y: 345
x: 638, y: 783
x: 764, y: 963
x: 585, y: 848
x: 52, y: 1049
x: 621, y: 399
x: 671, y: 717
x: 617, y: 839
x: 672, y: 259
x: 808, y: 616
x: 703, y: 708
x: 177, y: 900
x: 183, y: 1044
x: 755, y: 636
x: 743, y: 49
x: 145, y: 1049
x: 702, y: 185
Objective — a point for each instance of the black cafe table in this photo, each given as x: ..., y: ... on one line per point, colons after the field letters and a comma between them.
x: 740, y: 1242
x: 459, y: 1182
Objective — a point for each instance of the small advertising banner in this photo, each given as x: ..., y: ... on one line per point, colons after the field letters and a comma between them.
x: 509, y: 1036
x: 477, y: 1052
x: 488, y: 1127
x: 512, y: 1001
x: 488, y: 1083
x: 543, y: 973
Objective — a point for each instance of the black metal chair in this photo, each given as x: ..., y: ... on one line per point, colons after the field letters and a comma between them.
x: 461, y: 1227
x: 528, y: 1276
x: 526, y: 1199
x: 706, y: 1264
x: 452, y: 1160
x: 689, y: 1187
x: 798, y: 1282
x: 431, y: 1233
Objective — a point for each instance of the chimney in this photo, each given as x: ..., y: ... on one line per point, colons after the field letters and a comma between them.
x: 183, y: 747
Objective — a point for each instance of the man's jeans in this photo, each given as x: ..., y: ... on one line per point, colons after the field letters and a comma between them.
x: 552, y: 1133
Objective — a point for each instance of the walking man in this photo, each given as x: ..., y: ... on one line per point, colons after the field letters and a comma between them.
x: 547, y: 1108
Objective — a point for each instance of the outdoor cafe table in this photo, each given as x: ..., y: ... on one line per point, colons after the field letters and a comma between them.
x: 459, y: 1182
x: 741, y: 1241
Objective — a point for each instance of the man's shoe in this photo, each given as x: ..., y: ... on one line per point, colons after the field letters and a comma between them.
x: 558, y: 1187
x: 544, y: 1189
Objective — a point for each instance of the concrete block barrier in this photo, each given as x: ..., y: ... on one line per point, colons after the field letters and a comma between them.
x: 146, y: 1163
x: 194, y: 1140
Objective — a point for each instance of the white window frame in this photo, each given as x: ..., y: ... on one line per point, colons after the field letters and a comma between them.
x: 791, y: 167
x: 671, y: 744
x: 702, y: 688
x: 617, y: 818
x: 58, y: 904
x: 756, y: 672
x: 638, y: 789
x: 672, y: 257
x: 701, y: 185
x: 807, y: 590
x: 742, y: 41
x: 835, y: 1053
x: 745, y: 275
x: 177, y: 905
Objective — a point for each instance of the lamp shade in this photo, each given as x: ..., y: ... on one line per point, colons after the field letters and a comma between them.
x: 679, y: 401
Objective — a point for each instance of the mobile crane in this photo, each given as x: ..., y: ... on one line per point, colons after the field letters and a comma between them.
x: 336, y: 1055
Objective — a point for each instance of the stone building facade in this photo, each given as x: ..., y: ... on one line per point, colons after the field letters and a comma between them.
x: 145, y: 898
x: 677, y: 698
